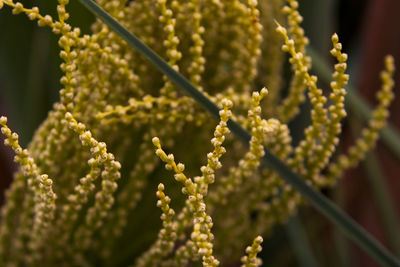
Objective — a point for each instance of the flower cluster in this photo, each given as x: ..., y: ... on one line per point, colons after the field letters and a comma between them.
x: 251, y: 260
x: 86, y: 215
x: 40, y: 198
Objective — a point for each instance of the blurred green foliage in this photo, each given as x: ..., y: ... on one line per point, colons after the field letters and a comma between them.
x: 29, y: 66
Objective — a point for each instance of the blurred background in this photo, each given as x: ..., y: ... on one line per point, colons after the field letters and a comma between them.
x: 29, y: 85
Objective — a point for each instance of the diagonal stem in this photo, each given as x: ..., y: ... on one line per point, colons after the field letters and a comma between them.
x: 348, y: 226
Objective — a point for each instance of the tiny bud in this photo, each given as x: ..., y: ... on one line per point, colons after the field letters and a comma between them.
x: 156, y: 141
x: 161, y: 187
x: 3, y: 120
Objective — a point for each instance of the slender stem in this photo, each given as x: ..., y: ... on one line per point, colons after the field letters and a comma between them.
x: 320, y: 202
x: 343, y: 257
x: 300, y: 243
x: 383, y: 200
x: 376, y: 179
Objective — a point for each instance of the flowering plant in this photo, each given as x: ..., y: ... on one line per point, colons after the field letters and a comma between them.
x: 68, y: 204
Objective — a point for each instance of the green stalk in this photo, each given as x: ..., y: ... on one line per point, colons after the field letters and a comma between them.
x: 376, y: 179
x: 341, y: 244
x: 383, y: 200
x: 389, y: 134
x: 299, y: 241
x: 319, y: 201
